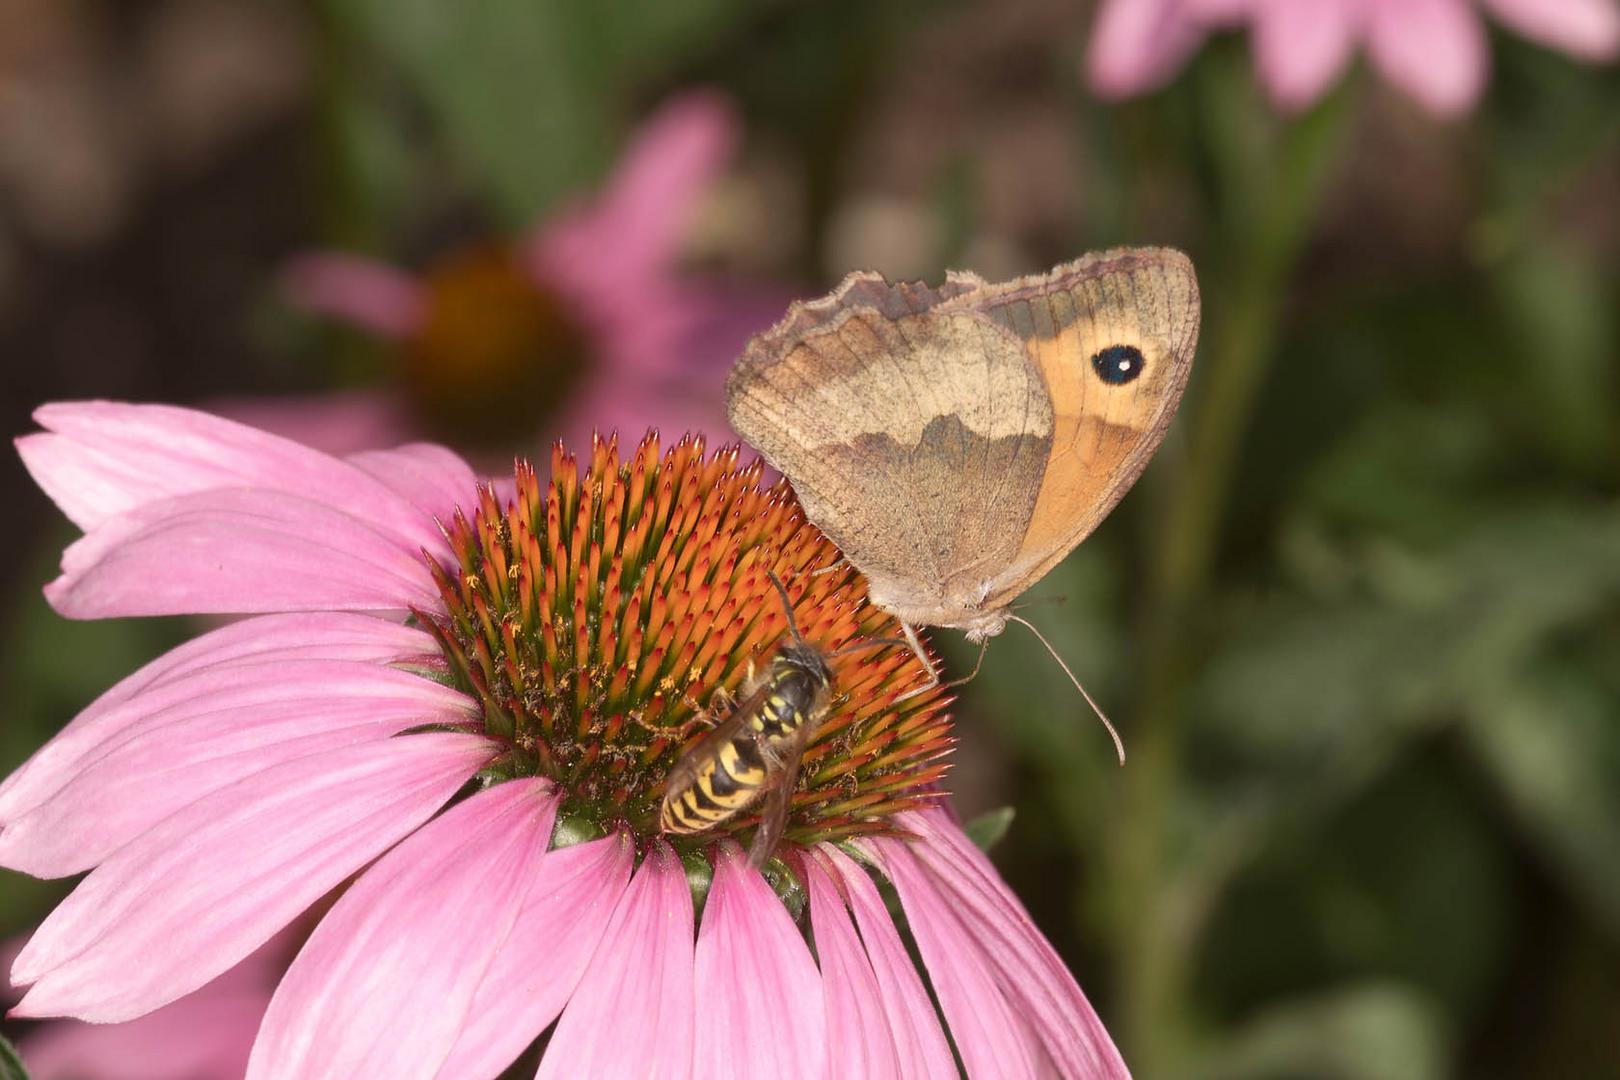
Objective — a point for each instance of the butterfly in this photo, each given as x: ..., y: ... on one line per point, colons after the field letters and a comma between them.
x: 956, y: 442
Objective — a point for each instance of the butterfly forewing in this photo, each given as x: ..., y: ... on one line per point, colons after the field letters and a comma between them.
x: 1103, y: 435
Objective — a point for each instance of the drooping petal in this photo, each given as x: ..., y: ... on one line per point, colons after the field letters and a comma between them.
x: 369, y: 294
x: 1302, y: 46
x: 535, y: 971
x: 632, y: 230
x: 1432, y: 49
x: 319, y: 635
x: 207, y: 1034
x: 908, y: 1013
x: 98, y: 460
x: 1587, y: 29
x: 859, y: 1042
x: 435, y: 479
x: 181, y: 904
x: 234, y: 551
x: 755, y: 970
x: 335, y: 422
x: 641, y: 977
x: 1137, y: 45
x: 179, y: 742
x: 1030, y: 972
x: 383, y: 985
x: 988, y: 1034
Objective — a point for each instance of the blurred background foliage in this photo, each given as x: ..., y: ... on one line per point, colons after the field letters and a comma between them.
x: 1360, y: 623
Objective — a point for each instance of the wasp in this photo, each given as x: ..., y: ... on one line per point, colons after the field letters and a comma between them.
x: 755, y: 751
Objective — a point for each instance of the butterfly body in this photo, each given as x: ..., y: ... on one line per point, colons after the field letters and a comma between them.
x: 957, y: 441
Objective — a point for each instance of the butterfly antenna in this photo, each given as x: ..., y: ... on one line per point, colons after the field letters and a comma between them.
x: 1119, y: 745
x: 787, y: 607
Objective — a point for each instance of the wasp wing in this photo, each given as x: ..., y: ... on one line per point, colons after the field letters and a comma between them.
x: 773, y: 820
x: 685, y: 771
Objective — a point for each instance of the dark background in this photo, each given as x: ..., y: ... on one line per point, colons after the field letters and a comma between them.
x: 1360, y: 622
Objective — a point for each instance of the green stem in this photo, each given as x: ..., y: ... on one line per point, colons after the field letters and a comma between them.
x: 1267, y: 198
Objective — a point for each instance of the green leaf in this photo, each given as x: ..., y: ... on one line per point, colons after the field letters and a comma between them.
x: 988, y: 828
x: 1551, y: 740
x: 1370, y: 1031
x: 532, y: 96
x: 11, y: 1066
x: 515, y: 89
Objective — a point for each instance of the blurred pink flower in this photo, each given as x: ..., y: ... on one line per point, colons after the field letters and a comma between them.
x: 583, y: 324
x: 217, y: 793
x: 1434, y: 50
x: 206, y: 1035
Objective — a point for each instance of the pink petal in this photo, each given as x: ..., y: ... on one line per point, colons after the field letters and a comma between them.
x: 634, y: 227
x: 1302, y: 46
x: 434, y: 479
x: 319, y: 635
x: 202, y: 889
x: 534, y: 973
x: 192, y: 736
x: 238, y: 551
x: 1432, y: 49
x: 207, y: 1034
x: 369, y: 294
x: 858, y: 1038
x: 1137, y: 45
x: 335, y: 422
x: 383, y: 986
x: 1587, y: 29
x: 632, y: 1014
x: 987, y: 1031
x: 757, y: 970
x: 101, y: 459
x: 1028, y: 969
x: 908, y: 1014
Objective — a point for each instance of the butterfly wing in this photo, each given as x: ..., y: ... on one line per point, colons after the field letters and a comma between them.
x: 1103, y: 434
x: 916, y: 439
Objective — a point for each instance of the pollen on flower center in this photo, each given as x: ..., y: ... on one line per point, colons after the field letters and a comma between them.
x: 596, y: 618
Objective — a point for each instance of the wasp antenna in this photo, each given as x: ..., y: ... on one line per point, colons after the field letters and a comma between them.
x: 1119, y: 745
x: 787, y: 607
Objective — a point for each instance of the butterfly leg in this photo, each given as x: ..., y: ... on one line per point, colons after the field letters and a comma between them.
x: 928, y: 665
x: 984, y: 647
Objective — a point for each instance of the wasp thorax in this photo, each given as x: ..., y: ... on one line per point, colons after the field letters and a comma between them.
x: 616, y: 621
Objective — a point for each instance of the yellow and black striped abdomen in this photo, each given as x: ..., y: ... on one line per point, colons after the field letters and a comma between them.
x: 724, y: 784
x: 737, y: 762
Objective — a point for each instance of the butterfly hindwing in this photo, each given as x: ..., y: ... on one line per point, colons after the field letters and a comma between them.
x: 907, y: 433
x: 957, y: 441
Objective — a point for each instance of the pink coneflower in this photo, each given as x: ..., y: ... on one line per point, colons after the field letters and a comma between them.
x: 585, y: 321
x: 1433, y: 50
x: 205, y: 1035
x: 477, y: 720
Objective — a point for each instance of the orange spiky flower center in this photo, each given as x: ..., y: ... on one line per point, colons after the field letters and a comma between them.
x: 597, y: 616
